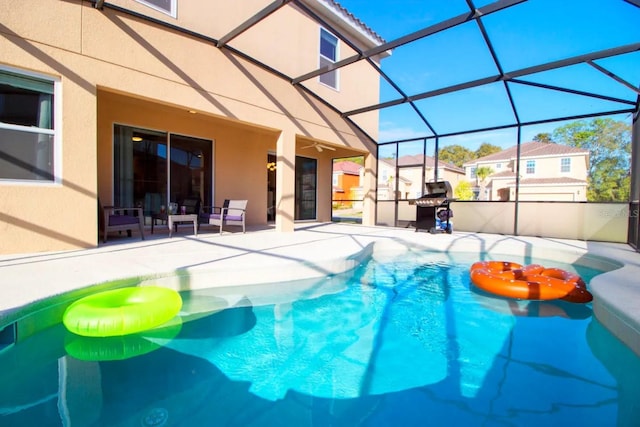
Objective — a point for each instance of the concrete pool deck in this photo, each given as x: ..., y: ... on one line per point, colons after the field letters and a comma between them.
x: 314, y: 250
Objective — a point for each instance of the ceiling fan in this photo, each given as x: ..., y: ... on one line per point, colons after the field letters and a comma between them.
x: 319, y: 147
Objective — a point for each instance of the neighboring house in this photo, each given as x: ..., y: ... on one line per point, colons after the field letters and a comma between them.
x: 347, y: 182
x: 548, y: 172
x: 143, y: 103
x: 411, y: 183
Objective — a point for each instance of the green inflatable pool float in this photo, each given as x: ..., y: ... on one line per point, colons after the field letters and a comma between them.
x: 100, y: 349
x: 122, y: 311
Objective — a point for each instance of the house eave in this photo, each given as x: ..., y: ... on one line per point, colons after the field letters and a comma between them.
x: 338, y: 16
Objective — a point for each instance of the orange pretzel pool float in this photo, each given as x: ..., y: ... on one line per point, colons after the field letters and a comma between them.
x: 532, y: 282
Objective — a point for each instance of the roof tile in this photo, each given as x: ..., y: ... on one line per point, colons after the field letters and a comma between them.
x: 351, y: 17
x: 347, y: 167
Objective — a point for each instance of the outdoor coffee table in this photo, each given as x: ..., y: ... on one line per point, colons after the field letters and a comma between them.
x: 176, y: 219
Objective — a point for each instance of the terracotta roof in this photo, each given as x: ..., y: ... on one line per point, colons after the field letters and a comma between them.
x: 549, y: 181
x: 418, y: 159
x: 503, y: 174
x: 347, y: 167
x: 409, y: 160
x: 357, y: 22
x: 530, y: 149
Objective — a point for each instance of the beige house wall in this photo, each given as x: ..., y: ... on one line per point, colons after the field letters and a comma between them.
x: 550, y: 167
x: 498, y: 184
x: 453, y: 177
x: 555, y: 193
x: 412, y: 185
x: 287, y: 40
x: 386, y: 181
x: 140, y: 74
x: 545, y: 167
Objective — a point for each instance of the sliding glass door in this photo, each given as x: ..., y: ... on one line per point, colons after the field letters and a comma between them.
x: 190, y: 169
x: 306, y: 183
x: 140, y: 168
x: 154, y: 168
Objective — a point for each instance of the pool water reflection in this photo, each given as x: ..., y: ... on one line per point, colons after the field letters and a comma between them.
x: 402, y: 342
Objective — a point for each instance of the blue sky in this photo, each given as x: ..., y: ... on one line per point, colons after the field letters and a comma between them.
x: 531, y: 33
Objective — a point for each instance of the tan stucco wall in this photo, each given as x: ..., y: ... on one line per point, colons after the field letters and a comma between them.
x: 240, y: 151
x: 90, y: 49
x: 564, y: 193
x: 545, y: 167
x: 412, y: 184
x: 453, y: 177
x: 45, y: 217
x: 550, y: 167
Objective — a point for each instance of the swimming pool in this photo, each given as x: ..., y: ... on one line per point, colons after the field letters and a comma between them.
x: 404, y: 340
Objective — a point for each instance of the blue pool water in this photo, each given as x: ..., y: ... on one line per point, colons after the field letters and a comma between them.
x: 405, y: 342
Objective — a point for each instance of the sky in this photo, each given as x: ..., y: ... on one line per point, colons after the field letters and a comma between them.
x: 531, y: 33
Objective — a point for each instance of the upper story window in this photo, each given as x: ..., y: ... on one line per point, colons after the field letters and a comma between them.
x: 328, y: 55
x: 531, y: 167
x: 472, y: 173
x: 385, y: 175
x: 165, y: 6
x: 29, y: 150
x: 565, y: 164
x: 498, y: 165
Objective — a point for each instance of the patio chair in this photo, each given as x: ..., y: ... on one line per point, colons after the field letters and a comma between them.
x: 207, y: 211
x: 192, y: 205
x: 232, y: 212
x: 120, y: 219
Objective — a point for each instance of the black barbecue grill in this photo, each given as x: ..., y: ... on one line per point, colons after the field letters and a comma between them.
x: 432, y: 208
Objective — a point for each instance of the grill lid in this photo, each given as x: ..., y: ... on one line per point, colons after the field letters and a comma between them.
x: 437, y: 193
x: 438, y: 189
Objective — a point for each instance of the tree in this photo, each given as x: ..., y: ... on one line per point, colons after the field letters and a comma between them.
x: 485, y: 149
x: 463, y: 191
x: 356, y: 159
x: 459, y: 155
x: 543, y: 137
x: 481, y: 175
x: 609, y: 144
x: 455, y: 154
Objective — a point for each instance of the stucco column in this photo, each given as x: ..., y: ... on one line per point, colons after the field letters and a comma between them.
x: 634, y: 207
x: 285, y: 181
x: 635, y: 160
x: 369, y: 190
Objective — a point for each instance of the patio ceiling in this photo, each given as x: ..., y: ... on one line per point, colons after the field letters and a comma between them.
x: 488, y: 65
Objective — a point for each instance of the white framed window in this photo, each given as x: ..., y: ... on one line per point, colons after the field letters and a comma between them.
x: 565, y: 164
x: 170, y: 7
x: 472, y: 173
x: 328, y: 56
x: 498, y: 166
x: 531, y: 167
x: 30, y: 112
